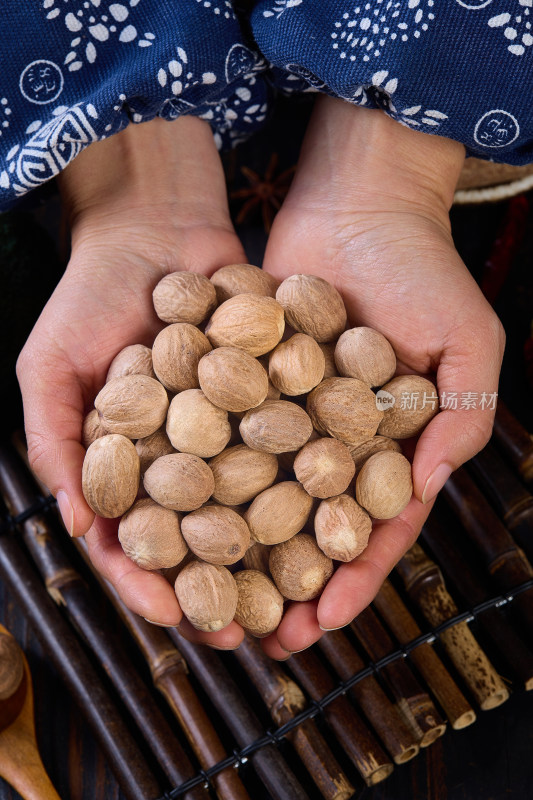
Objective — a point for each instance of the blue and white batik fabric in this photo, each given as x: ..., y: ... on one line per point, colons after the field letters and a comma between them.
x: 76, y: 71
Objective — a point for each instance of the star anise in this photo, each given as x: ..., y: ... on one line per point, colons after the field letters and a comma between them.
x: 266, y: 193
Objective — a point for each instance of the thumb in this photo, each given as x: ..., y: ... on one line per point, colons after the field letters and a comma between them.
x: 53, y: 416
x: 467, y: 381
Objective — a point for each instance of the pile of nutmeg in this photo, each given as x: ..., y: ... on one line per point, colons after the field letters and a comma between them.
x: 237, y: 437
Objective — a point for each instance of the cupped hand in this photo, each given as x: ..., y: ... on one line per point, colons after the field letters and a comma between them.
x: 148, y: 201
x: 368, y: 211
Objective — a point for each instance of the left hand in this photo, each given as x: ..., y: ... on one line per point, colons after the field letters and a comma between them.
x: 368, y: 211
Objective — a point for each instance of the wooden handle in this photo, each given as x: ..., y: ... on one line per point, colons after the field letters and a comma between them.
x: 11, y: 666
x: 20, y: 762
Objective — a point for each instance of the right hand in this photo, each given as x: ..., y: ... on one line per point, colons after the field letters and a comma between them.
x: 146, y: 202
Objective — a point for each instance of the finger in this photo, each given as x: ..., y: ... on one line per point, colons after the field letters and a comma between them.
x: 146, y: 593
x: 229, y: 638
x: 272, y: 648
x: 354, y: 585
x: 53, y: 414
x: 299, y: 628
x: 467, y: 379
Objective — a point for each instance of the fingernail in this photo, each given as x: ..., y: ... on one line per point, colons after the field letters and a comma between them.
x: 66, y: 511
x: 326, y: 630
x: 159, y: 624
x: 435, y: 482
x: 220, y: 647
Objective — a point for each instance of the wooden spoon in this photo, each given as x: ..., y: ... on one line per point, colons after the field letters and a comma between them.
x: 20, y: 762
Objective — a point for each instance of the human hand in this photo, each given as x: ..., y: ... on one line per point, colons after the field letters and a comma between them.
x: 148, y: 201
x: 368, y: 211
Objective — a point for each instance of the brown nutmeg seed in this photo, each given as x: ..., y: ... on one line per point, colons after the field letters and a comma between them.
x: 133, y: 405
x: 366, y: 354
x: 236, y: 279
x: 240, y: 473
x: 151, y: 536
x: 11, y: 666
x: 361, y: 452
x: 260, y: 605
x: 299, y: 568
x: 344, y: 408
x: 195, y: 425
x: 414, y: 403
x: 324, y: 467
x: 342, y: 528
x: 384, y: 485
x: 216, y: 534
x: 232, y: 379
x: 179, y: 481
x: 176, y: 351
x: 328, y: 351
x: 184, y: 297
x: 276, y: 426
x: 135, y: 359
x: 110, y: 475
x: 92, y: 428
x: 207, y: 594
x: 297, y: 365
x: 152, y: 447
x: 256, y: 557
x: 249, y: 321
x: 312, y: 306
x: 278, y: 513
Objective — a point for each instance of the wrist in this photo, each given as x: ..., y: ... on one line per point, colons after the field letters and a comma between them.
x: 139, y: 176
x: 379, y: 163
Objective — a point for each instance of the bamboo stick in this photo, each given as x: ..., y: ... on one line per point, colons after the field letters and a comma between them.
x: 170, y: 676
x: 284, y: 700
x: 425, y: 585
x: 447, y: 545
x: 69, y: 659
x: 353, y: 735
x: 400, y: 621
x: 67, y: 588
x: 370, y: 697
x: 222, y: 690
x: 515, y: 442
x: 414, y: 703
x: 508, y: 495
x: 505, y: 561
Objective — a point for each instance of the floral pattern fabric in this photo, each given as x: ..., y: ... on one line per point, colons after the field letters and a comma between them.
x: 76, y: 71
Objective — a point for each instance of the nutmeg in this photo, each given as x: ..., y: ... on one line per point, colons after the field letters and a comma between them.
x: 133, y: 405
x: 344, y: 408
x: 299, y: 568
x: 366, y: 354
x: 249, y: 321
x: 150, y: 448
x: 232, y: 379
x: 92, y: 428
x: 384, y: 485
x: 135, y: 359
x: 236, y: 279
x: 11, y: 666
x: 151, y: 536
x: 179, y: 481
x: 240, y: 473
x: 297, y: 365
x: 260, y: 605
x: 312, y: 306
x: 207, y: 594
x: 184, y: 297
x: 328, y: 351
x: 256, y: 557
x: 324, y: 467
x: 415, y: 404
x: 216, y: 534
x: 276, y: 426
x: 342, y: 527
x: 176, y: 351
x: 195, y: 425
x: 110, y: 475
x: 278, y: 512
x: 361, y: 452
